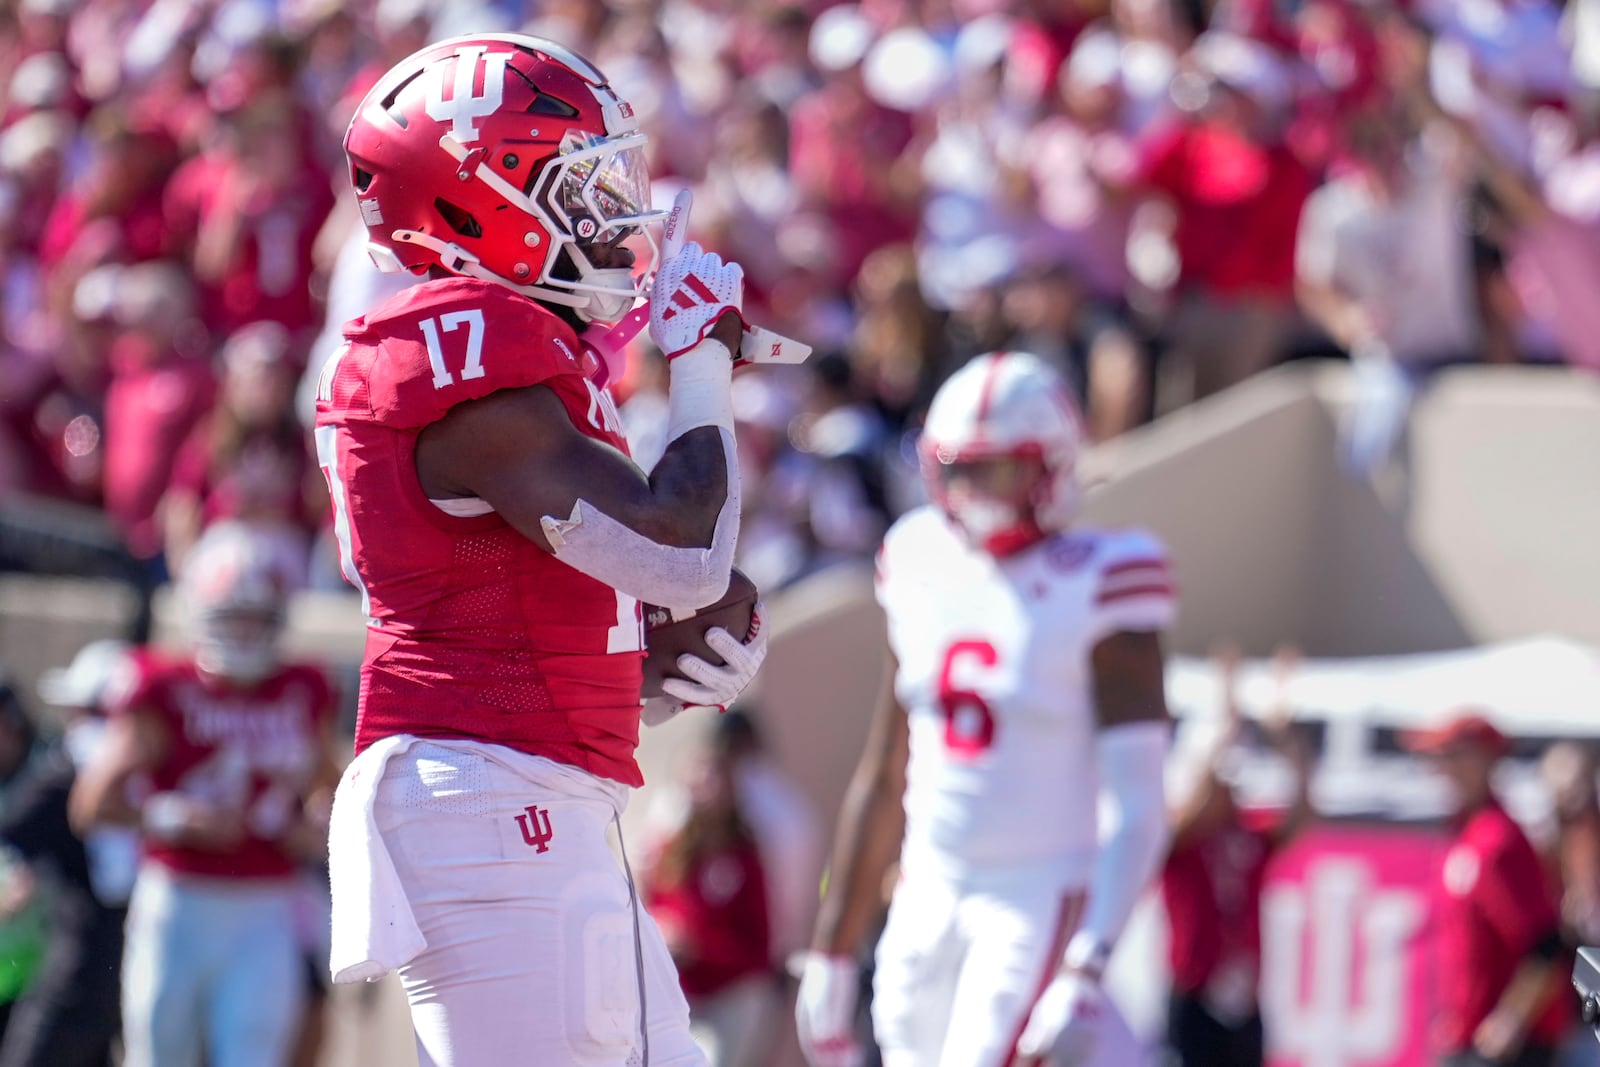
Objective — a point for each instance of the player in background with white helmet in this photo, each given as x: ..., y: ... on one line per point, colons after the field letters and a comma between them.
x: 223, y: 756
x: 1020, y: 746
x: 68, y: 1015
x: 486, y: 507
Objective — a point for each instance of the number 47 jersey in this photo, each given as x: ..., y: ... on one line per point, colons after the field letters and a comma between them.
x: 474, y: 631
x: 995, y: 676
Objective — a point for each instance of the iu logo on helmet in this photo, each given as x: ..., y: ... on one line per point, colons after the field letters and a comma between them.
x: 464, y: 107
x: 535, y: 824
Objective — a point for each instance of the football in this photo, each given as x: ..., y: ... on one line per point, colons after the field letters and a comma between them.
x: 668, y: 635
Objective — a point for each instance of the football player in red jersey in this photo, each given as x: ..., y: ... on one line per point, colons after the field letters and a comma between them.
x: 486, y: 507
x: 222, y: 757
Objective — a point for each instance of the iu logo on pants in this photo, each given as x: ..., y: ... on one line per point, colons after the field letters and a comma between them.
x: 535, y: 824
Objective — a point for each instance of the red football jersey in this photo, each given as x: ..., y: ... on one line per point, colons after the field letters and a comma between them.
x: 474, y: 631
x: 254, y: 748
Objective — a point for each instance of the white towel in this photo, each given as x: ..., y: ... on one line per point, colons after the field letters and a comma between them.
x: 373, y: 928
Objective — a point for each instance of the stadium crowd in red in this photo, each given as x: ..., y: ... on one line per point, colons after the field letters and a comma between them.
x: 1162, y: 197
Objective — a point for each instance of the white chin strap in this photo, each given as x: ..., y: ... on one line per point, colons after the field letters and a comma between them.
x: 609, y: 297
x: 606, y: 296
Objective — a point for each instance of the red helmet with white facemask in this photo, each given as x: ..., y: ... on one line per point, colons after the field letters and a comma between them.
x: 507, y: 158
x: 999, y: 451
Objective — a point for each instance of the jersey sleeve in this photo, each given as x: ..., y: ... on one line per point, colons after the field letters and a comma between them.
x: 459, y: 341
x: 138, y: 686
x: 1134, y: 590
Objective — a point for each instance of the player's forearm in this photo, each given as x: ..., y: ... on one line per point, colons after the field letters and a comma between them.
x: 675, y: 547
x: 1130, y: 758
x: 699, y: 469
x: 870, y: 823
x: 99, y: 801
x: 307, y: 839
x: 1530, y: 990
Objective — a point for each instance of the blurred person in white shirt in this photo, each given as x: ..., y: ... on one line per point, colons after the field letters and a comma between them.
x: 1384, y: 266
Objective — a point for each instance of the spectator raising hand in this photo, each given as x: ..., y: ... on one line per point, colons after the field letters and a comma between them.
x: 1211, y: 883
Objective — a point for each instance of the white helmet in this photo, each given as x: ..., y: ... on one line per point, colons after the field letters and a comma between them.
x: 1005, y: 405
x: 235, y: 591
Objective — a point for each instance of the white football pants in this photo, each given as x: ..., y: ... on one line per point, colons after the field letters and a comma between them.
x: 535, y: 952
x: 959, y: 970
x: 213, y: 966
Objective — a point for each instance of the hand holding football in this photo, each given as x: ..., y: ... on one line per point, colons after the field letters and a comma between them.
x: 669, y: 635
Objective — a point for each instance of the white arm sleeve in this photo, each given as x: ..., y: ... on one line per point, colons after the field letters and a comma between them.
x: 681, y: 579
x: 1133, y: 830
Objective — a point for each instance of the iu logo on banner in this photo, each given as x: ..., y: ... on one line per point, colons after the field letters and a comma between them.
x: 1345, y: 963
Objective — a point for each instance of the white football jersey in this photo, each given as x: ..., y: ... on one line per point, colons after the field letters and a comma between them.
x: 994, y: 672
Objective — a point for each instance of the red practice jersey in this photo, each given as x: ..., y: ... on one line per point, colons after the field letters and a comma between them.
x: 474, y: 631
x: 254, y: 748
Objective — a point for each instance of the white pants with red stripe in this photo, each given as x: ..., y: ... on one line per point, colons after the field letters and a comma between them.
x: 959, y: 968
x: 535, y: 951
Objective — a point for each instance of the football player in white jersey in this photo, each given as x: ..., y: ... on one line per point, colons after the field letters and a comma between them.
x: 1022, y: 743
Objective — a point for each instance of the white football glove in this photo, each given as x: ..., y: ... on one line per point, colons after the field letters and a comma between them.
x: 692, y: 291
x: 707, y: 686
x: 1065, y: 1024
x: 825, y: 1011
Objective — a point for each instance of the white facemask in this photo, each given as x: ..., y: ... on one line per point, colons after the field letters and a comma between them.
x: 984, y: 517
x: 238, y: 661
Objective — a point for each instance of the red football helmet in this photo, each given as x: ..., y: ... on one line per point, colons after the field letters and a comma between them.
x: 504, y: 157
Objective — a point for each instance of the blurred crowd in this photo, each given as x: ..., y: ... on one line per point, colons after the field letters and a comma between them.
x: 1163, y: 197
